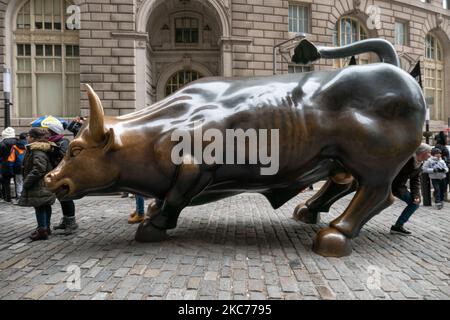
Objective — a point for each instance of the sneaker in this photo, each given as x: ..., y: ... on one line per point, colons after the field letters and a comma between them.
x: 136, y: 218
x: 399, y: 230
x: 439, y: 205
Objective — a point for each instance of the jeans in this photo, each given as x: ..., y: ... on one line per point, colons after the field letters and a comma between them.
x: 140, y: 205
x: 68, y: 208
x: 439, y: 189
x: 408, y: 211
x: 18, y: 181
x: 43, y: 215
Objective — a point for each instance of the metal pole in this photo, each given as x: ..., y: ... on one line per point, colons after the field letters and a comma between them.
x: 7, y: 95
x: 7, y: 113
x: 425, y: 185
x: 427, y: 125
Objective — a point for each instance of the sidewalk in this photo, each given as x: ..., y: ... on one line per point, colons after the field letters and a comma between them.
x: 237, y: 248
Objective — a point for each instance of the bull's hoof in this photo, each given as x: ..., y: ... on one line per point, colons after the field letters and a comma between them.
x: 304, y: 214
x: 146, y: 232
x: 332, y: 243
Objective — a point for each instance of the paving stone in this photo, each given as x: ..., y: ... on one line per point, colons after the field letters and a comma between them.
x: 236, y: 248
x: 274, y: 292
x: 325, y: 293
x: 121, y: 272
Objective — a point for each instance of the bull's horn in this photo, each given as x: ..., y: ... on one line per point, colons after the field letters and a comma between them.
x: 96, y: 118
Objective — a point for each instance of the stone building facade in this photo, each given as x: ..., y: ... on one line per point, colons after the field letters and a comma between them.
x: 135, y: 52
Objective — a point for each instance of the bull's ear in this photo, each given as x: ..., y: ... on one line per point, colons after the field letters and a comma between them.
x: 111, y: 143
x: 97, y: 128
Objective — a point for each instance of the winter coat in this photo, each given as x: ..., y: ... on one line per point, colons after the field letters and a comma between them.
x: 435, y: 163
x: 5, y: 150
x: 35, y: 166
x: 411, y: 170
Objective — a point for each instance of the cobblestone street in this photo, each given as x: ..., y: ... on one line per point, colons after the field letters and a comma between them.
x: 237, y: 248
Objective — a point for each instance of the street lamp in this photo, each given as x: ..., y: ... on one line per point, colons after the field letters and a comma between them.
x: 7, y: 94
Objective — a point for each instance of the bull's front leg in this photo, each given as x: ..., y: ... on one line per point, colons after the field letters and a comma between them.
x: 336, y: 187
x: 163, y: 214
x: 369, y: 200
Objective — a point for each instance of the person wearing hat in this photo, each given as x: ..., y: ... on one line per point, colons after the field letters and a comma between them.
x: 437, y: 170
x: 8, y: 141
x: 67, y: 223
x: 410, y: 171
x: 35, y: 194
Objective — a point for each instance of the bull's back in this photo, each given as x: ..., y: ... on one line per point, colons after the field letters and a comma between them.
x: 311, y: 111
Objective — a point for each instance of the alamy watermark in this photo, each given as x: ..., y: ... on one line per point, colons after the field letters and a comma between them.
x: 374, y: 277
x: 73, y: 21
x: 73, y: 281
x: 234, y: 146
x: 374, y: 20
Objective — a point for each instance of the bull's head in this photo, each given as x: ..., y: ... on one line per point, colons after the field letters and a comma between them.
x: 88, y: 165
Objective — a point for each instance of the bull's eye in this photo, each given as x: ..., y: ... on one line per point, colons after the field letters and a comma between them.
x: 75, y: 151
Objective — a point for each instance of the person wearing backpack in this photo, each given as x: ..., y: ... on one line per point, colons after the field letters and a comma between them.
x: 9, y: 139
x: 15, y: 163
x: 68, y: 222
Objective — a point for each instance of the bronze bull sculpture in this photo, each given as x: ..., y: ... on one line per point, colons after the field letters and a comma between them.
x: 361, y: 121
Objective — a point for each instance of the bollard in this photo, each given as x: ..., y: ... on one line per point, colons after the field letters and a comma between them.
x: 425, y: 187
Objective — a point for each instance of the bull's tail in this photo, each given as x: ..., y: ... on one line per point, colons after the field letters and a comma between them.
x: 307, y: 52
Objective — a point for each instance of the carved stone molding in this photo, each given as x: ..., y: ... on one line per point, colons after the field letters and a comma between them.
x: 357, y: 5
x: 439, y: 19
x: 31, y: 37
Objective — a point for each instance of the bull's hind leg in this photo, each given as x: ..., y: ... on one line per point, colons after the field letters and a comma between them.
x: 163, y: 215
x: 369, y: 200
x: 335, y: 188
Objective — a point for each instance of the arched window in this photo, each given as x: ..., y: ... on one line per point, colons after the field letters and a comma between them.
x: 434, y: 77
x: 46, y: 60
x: 347, y: 31
x: 180, y: 79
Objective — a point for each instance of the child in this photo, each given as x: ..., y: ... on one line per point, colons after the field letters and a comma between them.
x: 15, y: 162
x: 437, y: 170
x: 35, y: 194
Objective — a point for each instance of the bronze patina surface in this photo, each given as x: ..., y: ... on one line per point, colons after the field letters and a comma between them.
x: 355, y: 127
